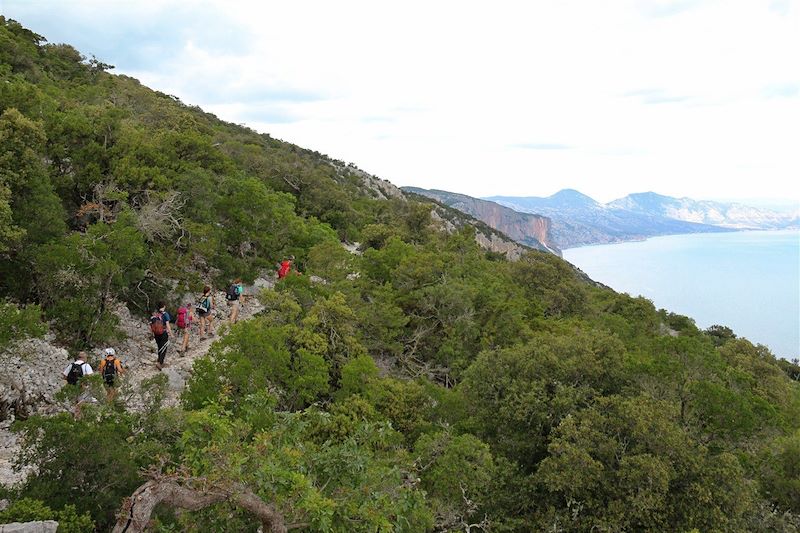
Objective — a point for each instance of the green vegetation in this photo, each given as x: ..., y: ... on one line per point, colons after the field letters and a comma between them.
x: 440, y: 388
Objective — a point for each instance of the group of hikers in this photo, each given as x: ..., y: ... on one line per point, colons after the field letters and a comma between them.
x: 110, y: 367
x: 203, y: 309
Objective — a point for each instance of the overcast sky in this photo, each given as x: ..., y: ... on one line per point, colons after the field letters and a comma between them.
x: 696, y: 98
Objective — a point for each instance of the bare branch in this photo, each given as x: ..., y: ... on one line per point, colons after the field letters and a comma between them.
x: 292, y: 185
x: 159, y: 218
x: 192, y: 494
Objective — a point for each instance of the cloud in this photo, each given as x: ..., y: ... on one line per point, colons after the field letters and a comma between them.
x: 541, y: 146
x: 515, y: 91
x: 782, y: 90
x: 655, y: 96
x: 666, y: 8
x: 269, y: 113
x: 133, y: 35
x: 781, y: 7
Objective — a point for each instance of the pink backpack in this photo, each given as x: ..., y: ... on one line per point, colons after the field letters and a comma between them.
x: 183, y: 318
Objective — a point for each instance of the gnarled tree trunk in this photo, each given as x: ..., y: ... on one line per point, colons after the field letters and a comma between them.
x: 192, y: 495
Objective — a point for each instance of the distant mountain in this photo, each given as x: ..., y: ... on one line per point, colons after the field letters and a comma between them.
x: 528, y: 229
x: 729, y: 215
x: 577, y: 219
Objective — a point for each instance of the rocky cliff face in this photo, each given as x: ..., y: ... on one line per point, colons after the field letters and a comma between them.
x: 522, y: 227
x: 490, y: 240
x: 526, y: 228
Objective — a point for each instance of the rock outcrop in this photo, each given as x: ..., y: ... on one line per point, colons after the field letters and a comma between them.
x: 487, y: 238
x: 31, y: 377
x: 371, y: 185
x: 42, y: 526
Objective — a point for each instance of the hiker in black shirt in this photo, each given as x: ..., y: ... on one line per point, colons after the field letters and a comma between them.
x: 159, y: 325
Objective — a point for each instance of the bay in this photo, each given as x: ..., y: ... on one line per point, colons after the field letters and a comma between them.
x: 748, y: 280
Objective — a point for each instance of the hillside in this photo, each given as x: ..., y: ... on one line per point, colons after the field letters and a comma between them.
x: 531, y: 230
x: 416, y: 381
x: 578, y: 220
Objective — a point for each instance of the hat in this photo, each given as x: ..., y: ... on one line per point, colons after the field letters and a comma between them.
x: 110, y: 351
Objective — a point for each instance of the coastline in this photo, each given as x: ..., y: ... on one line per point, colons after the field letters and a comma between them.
x: 651, y: 237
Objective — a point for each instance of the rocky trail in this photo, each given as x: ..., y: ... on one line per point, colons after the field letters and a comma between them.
x: 138, y: 351
x: 32, y: 369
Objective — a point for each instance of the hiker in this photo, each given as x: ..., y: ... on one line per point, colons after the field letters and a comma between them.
x: 77, y: 369
x: 285, y: 267
x: 205, y: 309
x: 183, y: 321
x: 159, y: 325
x: 233, y: 295
x: 110, y: 368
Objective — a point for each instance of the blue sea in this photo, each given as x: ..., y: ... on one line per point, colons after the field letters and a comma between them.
x: 748, y: 280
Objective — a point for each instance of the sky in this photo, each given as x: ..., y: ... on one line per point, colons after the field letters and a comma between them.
x: 697, y: 98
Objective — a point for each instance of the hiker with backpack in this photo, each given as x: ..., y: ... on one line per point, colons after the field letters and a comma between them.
x: 183, y: 321
x: 77, y: 369
x: 204, y: 308
x: 110, y: 368
x: 159, y: 326
x: 285, y: 267
x: 233, y: 295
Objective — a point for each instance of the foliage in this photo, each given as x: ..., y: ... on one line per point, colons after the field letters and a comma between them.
x: 28, y: 510
x: 417, y: 384
x: 333, y: 472
x: 19, y: 322
x: 91, y: 463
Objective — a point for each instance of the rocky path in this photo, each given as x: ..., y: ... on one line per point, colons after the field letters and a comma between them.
x: 139, y: 351
x: 31, y: 375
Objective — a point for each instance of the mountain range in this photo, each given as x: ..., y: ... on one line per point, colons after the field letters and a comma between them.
x: 569, y: 218
x: 728, y: 215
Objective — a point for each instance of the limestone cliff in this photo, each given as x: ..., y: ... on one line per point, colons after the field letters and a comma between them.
x: 526, y: 228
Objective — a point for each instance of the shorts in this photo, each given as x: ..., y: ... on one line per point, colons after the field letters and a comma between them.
x: 202, y: 314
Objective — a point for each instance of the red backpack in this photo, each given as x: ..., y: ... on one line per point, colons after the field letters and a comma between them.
x: 157, y: 324
x: 183, y: 318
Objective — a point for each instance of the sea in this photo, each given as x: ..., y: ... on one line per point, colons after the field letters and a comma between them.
x: 746, y: 280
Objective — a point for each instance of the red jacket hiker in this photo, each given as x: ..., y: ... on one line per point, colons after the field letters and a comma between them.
x: 284, y: 269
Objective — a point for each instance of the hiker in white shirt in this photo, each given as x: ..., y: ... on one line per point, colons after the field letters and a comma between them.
x: 77, y: 369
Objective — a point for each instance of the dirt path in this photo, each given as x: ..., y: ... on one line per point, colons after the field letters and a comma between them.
x: 141, y: 363
x: 138, y: 353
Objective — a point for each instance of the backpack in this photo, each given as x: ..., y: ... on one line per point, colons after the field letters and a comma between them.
x: 284, y: 269
x: 232, y: 293
x: 157, y: 324
x: 75, y: 373
x: 204, y: 305
x: 183, y: 318
x: 110, y: 370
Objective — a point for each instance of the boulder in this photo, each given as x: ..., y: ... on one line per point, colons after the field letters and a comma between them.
x: 31, y: 377
x: 42, y: 526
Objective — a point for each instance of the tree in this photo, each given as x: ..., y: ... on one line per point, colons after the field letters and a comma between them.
x: 256, y: 356
x: 458, y: 474
x: 624, y: 464
x: 79, y: 275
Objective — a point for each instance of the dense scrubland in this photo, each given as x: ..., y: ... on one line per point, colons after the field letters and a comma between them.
x: 424, y: 384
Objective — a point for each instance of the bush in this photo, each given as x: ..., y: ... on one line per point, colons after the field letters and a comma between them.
x: 29, y: 510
